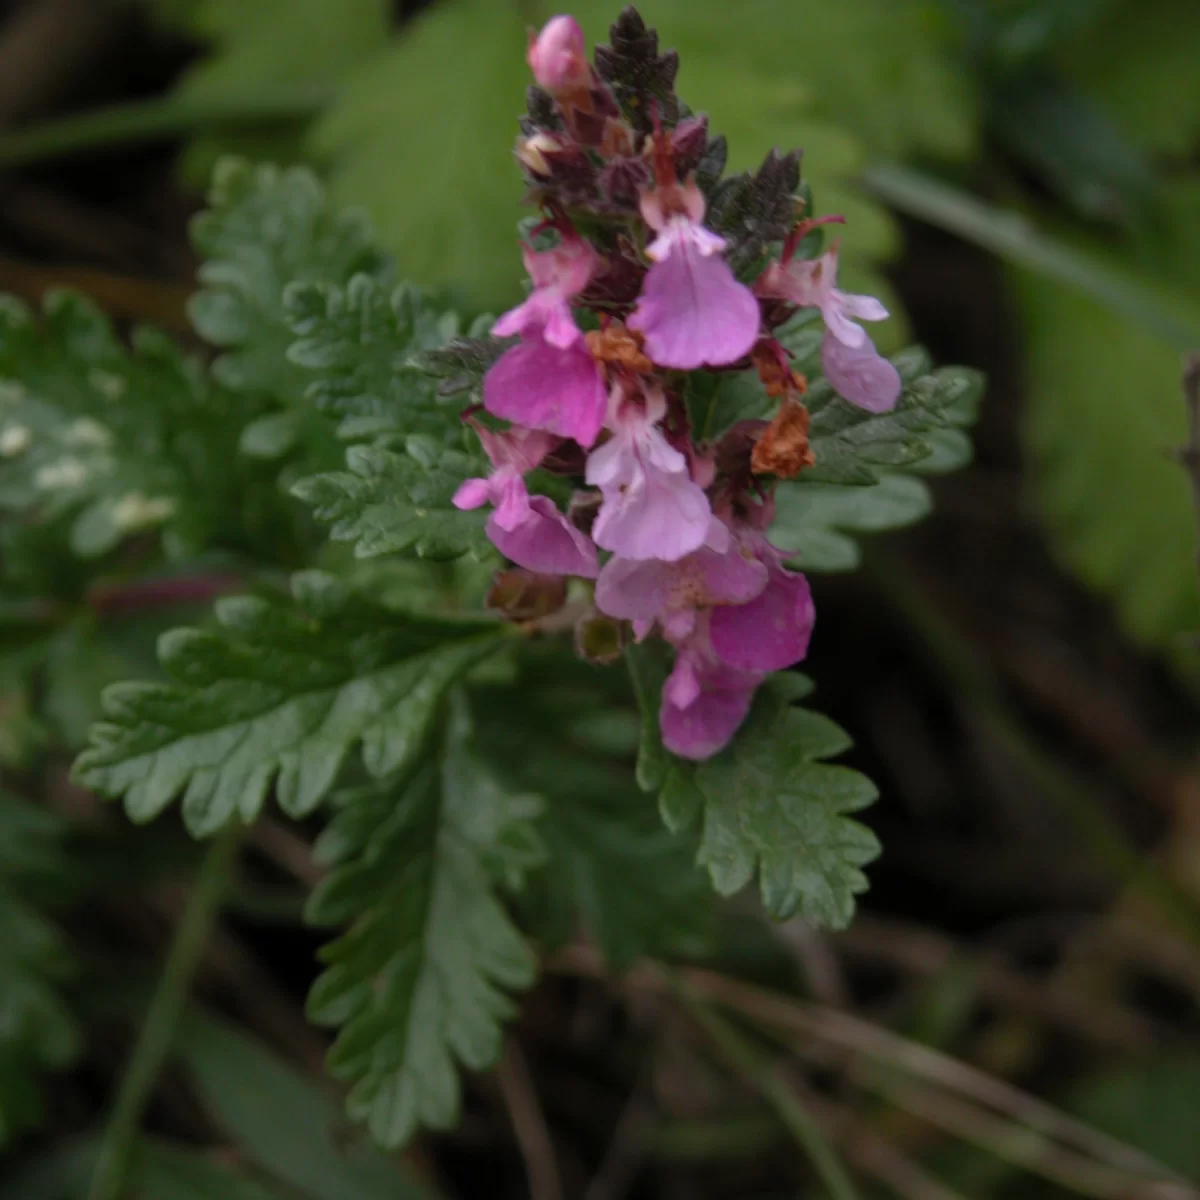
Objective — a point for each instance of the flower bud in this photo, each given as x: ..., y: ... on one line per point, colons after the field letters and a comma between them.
x: 532, y: 151
x: 558, y: 56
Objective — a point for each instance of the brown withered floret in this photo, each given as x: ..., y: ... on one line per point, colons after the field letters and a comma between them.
x: 778, y: 378
x: 619, y: 346
x: 783, y: 449
x: 520, y: 595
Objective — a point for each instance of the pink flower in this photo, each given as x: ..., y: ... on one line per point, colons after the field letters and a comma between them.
x: 692, y: 310
x: 558, y: 56
x: 558, y: 389
x: 651, y: 506
x: 649, y: 590
x: 557, y: 275
x: 853, y: 366
x: 529, y: 530
x: 811, y: 283
x: 771, y: 631
x: 861, y: 374
x: 703, y: 704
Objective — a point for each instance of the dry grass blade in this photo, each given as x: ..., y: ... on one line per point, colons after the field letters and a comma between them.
x: 846, y: 1032
x: 529, y: 1124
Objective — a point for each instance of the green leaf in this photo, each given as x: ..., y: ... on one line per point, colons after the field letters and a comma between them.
x: 813, y: 521
x: 278, y: 693
x: 421, y: 981
x: 315, y: 44
x: 769, y: 803
x: 393, y: 500
x: 611, y: 867
x: 281, y: 1119
x: 423, y: 137
x: 115, y: 441
x: 266, y: 228
x: 851, y: 444
x: 357, y: 344
x: 37, y: 1032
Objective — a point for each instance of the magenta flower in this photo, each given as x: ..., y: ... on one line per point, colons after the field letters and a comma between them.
x: 529, y: 530
x: 558, y: 56
x: 557, y: 275
x: 770, y: 632
x: 548, y: 387
x: 861, y: 374
x: 692, y: 311
x: 703, y: 704
x: 651, y: 506
x: 648, y: 590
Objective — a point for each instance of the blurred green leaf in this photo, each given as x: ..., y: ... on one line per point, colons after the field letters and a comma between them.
x: 158, y: 1171
x: 1139, y: 64
x: 1151, y: 1105
x: 1082, y: 428
x: 423, y: 137
x: 37, y: 1032
x: 281, y: 1119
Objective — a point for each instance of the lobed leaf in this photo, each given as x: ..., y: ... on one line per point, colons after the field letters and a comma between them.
x: 266, y: 228
x: 397, y: 500
x: 277, y: 694
x: 420, y: 982
x: 769, y: 804
x: 357, y: 344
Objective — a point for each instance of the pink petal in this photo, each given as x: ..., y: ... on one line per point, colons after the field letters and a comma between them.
x: 511, y: 499
x: 633, y: 589
x: 682, y: 688
x: 708, y: 723
x: 548, y: 387
x: 693, y: 312
x: 865, y: 308
x: 861, y: 375
x: 769, y: 633
x: 659, y: 515
x: 472, y: 493
x: 545, y: 542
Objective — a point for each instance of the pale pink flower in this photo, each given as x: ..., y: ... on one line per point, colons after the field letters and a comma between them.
x: 557, y: 276
x: 861, y: 374
x: 692, y: 311
x: 560, y: 390
x: 812, y: 283
x: 558, y: 56
x: 651, y: 506
x: 646, y: 591
x: 529, y: 530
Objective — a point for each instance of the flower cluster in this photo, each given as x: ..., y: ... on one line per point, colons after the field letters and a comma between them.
x: 623, y: 248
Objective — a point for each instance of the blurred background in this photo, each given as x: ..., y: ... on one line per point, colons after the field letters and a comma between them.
x: 1014, y: 1014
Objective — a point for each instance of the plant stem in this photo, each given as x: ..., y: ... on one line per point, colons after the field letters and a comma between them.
x: 154, y: 1040
x: 759, y: 1070
x: 162, y: 117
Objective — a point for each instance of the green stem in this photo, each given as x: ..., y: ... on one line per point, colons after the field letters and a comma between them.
x: 1012, y: 236
x: 758, y: 1069
x: 162, y: 117
x: 973, y: 683
x: 154, y: 1040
